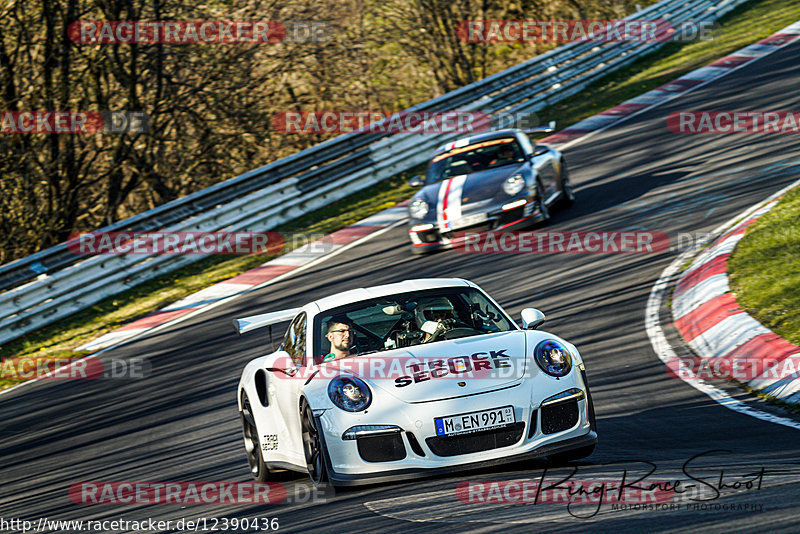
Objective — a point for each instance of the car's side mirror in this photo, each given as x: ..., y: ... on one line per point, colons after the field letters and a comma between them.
x: 532, y: 318
x: 538, y: 150
x: 416, y: 181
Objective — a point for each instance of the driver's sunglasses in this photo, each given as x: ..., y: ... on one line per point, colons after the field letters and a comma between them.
x: 343, y: 331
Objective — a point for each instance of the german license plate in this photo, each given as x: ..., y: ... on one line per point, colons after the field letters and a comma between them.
x: 468, y: 423
x: 469, y: 220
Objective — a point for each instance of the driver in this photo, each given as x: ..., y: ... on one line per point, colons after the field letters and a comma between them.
x: 435, y: 309
x: 504, y: 154
x: 341, y: 336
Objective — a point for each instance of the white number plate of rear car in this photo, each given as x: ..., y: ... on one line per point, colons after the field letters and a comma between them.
x: 467, y: 423
x: 469, y: 220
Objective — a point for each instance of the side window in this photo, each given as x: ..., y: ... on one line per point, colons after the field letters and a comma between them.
x: 295, y: 341
x: 525, y: 141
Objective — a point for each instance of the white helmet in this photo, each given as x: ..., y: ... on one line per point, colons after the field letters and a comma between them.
x: 434, y: 309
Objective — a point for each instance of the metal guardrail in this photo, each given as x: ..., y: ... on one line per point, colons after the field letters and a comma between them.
x: 264, y: 198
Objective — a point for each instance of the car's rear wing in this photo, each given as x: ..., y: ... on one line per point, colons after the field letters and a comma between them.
x: 246, y: 324
x: 550, y: 128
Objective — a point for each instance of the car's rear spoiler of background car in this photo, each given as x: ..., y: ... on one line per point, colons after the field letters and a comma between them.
x: 551, y: 127
x: 246, y: 324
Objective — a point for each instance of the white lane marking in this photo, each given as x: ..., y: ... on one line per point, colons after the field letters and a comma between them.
x: 226, y: 300
x: 111, y: 338
x: 302, y: 255
x: 209, y: 294
x: 659, y: 341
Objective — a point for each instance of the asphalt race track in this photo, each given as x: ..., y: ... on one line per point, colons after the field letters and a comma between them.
x: 181, y: 423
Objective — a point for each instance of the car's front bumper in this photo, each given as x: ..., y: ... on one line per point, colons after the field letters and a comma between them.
x: 424, y: 453
x: 439, y: 237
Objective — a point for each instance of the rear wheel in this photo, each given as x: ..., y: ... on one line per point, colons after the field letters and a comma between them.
x: 313, y: 449
x: 252, y: 445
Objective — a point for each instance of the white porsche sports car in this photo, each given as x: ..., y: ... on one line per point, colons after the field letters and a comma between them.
x: 410, y: 379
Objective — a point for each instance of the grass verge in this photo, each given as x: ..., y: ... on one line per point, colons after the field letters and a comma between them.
x: 745, y: 25
x: 764, y: 269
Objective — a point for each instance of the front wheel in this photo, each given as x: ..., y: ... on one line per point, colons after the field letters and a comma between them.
x: 312, y: 447
x: 567, y: 193
x: 252, y: 445
x: 541, y: 205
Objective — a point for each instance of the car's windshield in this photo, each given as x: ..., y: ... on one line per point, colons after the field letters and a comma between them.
x: 405, y: 320
x: 474, y: 158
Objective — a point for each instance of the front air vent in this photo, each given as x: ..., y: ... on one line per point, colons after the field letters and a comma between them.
x: 559, y: 417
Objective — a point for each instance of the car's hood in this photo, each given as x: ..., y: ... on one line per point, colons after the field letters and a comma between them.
x: 446, y: 369
x: 467, y: 193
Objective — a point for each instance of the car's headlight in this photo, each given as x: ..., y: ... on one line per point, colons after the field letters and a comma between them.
x: 514, y: 185
x: 349, y: 393
x: 418, y: 208
x: 553, y: 358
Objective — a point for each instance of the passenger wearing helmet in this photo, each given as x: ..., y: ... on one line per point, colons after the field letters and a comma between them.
x: 434, y: 316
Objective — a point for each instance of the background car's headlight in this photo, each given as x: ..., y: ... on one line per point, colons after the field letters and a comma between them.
x: 418, y: 208
x: 553, y: 358
x: 514, y: 184
x: 349, y: 393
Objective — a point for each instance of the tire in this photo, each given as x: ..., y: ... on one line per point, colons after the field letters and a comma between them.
x: 541, y: 205
x: 252, y: 445
x: 313, y: 448
x: 567, y: 193
x: 574, y: 454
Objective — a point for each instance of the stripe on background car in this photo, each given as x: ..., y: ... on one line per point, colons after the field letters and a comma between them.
x: 448, y: 206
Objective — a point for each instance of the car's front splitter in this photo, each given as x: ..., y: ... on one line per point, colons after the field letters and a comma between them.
x: 341, y: 479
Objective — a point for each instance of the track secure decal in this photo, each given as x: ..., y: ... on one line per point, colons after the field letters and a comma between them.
x: 421, y: 372
x: 270, y: 442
